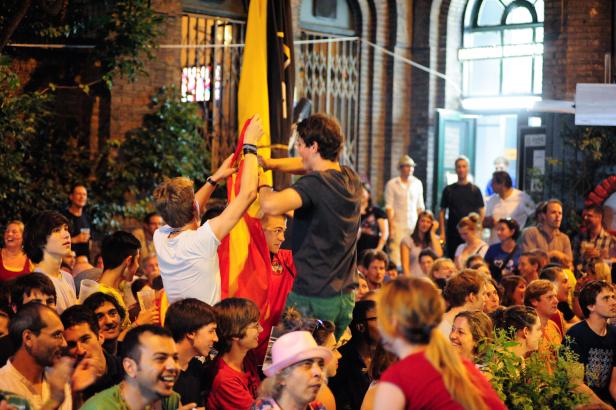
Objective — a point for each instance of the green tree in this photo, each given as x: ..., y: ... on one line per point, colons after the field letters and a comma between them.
x: 170, y: 143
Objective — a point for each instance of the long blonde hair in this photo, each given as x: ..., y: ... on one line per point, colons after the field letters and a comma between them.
x: 411, y: 308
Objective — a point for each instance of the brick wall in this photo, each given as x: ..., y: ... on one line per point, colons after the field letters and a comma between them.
x: 129, y: 101
x: 577, y: 36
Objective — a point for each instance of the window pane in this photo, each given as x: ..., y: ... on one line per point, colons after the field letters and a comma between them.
x: 538, y: 86
x: 539, y: 10
x: 468, y: 13
x: 484, y: 78
x: 490, y: 13
x: 487, y: 38
x: 519, y: 15
x: 519, y: 36
x: 539, y: 35
x: 517, y: 75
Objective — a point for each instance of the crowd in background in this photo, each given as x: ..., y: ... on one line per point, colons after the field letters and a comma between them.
x: 366, y: 308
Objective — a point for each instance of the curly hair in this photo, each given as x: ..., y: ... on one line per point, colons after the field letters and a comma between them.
x: 325, y: 131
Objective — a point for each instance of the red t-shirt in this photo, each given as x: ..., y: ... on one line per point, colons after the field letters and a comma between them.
x: 282, y: 277
x: 233, y: 390
x: 423, y: 386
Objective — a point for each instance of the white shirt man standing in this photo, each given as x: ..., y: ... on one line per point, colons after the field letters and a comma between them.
x: 507, y: 202
x: 403, y: 202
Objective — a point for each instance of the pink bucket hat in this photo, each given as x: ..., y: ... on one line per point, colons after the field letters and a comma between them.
x: 292, y: 348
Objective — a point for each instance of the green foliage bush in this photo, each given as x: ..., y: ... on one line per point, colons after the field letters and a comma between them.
x: 40, y: 162
x: 169, y: 144
x: 37, y: 164
x: 538, y: 382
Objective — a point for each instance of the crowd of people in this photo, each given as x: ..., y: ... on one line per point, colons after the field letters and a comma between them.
x: 368, y: 308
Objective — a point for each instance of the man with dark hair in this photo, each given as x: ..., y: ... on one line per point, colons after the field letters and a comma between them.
x: 79, y: 223
x: 595, y: 341
x: 120, y: 252
x: 46, y: 241
x: 507, y: 202
x: 351, y: 382
x: 236, y: 382
x: 374, y: 265
x: 460, y: 199
x: 150, y: 362
x: 33, y: 287
x: 594, y: 241
x: 84, y: 341
x: 151, y: 222
x: 193, y: 326
x: 528, y: 266
x: 326, y: 204
x: 37, y: 371
x: 110, y: 316
x: 464, y: 291
x: 547, y: 235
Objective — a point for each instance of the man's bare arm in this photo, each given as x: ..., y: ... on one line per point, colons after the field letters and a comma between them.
x: 293, y: 165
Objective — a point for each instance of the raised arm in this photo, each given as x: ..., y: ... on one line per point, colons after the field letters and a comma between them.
x: 222, y: 224
x: 204, y: 193
x: 293, y: 165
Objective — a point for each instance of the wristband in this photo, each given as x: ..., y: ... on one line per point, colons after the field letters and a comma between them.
x: 210, y: 181
x: 249, y: 149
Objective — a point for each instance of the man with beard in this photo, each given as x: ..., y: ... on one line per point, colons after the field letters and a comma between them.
x: 594, y: 340
x: 150, y: 361
x: 84, y: 341
x: 33, y: 287
x: 547, y: 235
x: 193, y: 326
x: 352, y: 381
x: 110, y: 316
x: 37, y: 371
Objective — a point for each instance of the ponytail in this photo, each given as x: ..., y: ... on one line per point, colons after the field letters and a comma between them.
x: 455, y: 375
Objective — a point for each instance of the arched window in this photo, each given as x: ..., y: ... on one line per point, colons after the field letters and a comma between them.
x: 502, y: 52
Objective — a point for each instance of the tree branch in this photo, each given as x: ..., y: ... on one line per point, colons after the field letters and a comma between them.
x: 12, y: 25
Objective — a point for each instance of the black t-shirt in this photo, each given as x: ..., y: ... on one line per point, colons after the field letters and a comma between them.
x: 193, y: 384
x: 370, y: 232
x: 113, y: 376
x: 75, y: 225
x: 598, y: 354
x: 461, y: 200
x: 325, y: 231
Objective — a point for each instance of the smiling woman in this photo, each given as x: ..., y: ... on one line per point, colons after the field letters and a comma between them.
x: 13, y: 259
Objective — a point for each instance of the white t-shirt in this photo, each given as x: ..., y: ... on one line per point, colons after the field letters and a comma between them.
x: 189, y: 263
x: 519, y: 206
x: 65, y: 290
x: 404, y: 199
x: 14, y: 382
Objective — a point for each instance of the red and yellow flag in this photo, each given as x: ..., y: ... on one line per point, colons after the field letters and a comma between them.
x: 245, y: 266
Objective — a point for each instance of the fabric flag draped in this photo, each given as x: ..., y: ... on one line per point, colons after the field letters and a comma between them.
x: 265, y: 88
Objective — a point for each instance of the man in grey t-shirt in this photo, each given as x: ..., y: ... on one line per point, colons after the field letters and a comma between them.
x: 325, y: 202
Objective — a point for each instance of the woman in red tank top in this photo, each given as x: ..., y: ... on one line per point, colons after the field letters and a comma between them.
x: 13, y: 259
x: 429, y: 374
